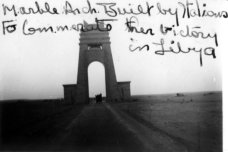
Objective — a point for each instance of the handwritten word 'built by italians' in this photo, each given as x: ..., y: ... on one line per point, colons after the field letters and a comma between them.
x: 182, y: 10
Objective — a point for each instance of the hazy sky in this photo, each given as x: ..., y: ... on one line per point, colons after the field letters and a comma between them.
x: 37, y: 66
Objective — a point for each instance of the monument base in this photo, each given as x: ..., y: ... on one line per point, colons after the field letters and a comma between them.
x: 72, y: 93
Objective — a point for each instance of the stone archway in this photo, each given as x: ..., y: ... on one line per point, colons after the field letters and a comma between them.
x: 95, y: 46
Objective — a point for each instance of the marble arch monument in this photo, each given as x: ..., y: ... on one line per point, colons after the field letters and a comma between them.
x: 95, y: 46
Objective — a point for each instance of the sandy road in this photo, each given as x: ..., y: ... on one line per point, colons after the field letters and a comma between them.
x: 100, y: 127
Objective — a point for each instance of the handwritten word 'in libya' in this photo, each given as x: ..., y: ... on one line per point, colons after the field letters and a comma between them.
x: 176, y: 48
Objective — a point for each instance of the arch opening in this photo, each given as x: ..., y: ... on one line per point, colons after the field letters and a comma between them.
x: 96, y: 80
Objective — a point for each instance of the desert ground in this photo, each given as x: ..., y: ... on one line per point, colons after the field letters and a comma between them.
x: 185, y: 122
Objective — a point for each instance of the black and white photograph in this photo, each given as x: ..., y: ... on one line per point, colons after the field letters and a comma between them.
x: 113, y: 76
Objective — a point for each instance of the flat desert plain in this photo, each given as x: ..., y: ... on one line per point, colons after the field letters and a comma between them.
x: 194, y: 119
x: 180, y: 122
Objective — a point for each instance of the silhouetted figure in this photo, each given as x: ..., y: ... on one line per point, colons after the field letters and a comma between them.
x: 179, y: 94
x: 98, y: 98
